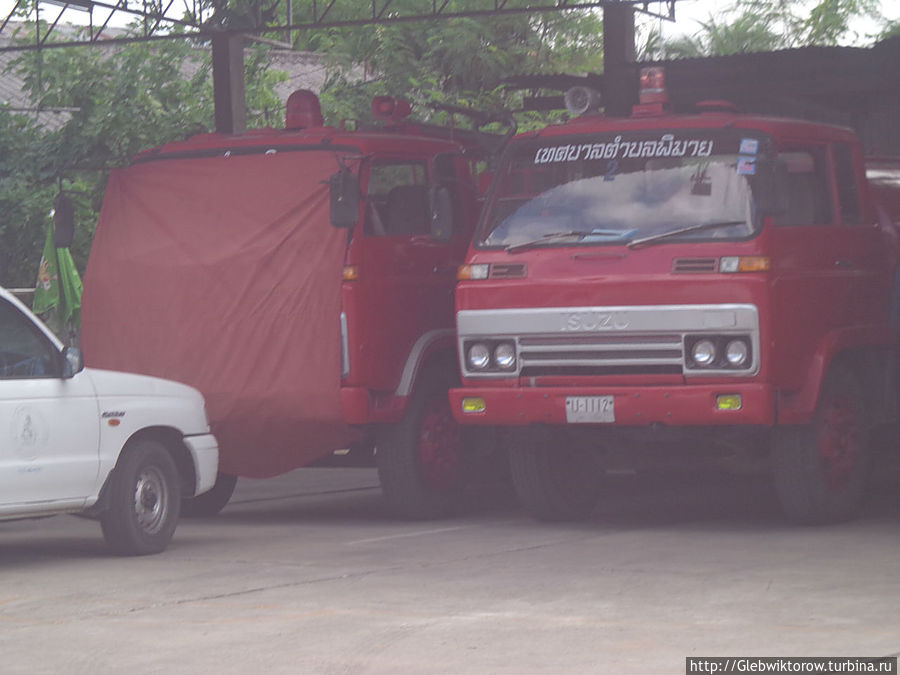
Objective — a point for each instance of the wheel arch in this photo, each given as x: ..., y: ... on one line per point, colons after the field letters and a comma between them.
x: 172, y: 440
x: 865, y: 357
x: 434, y: 350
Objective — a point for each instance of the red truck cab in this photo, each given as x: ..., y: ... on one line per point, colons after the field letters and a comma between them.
x: 675, y: 279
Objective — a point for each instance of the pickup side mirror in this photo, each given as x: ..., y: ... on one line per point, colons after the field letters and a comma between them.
x: 63, y: 221
x: 74, y: 362
x: 441, y: 206
x: 344, y: 192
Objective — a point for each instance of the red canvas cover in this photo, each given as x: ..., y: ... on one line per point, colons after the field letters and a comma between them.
x: 224, y: 273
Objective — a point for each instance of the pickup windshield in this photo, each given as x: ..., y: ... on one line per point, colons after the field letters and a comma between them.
x: 613, y: 190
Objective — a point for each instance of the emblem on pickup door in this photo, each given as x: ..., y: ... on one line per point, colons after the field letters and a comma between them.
x: 575, y: 322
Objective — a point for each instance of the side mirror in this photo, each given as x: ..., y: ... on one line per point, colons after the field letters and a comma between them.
x: 63, y: 221
x: 74, y: 362
x: 441, y: 204
x: 344, y: 191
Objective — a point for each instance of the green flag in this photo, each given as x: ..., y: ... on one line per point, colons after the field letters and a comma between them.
x: 58, y: 285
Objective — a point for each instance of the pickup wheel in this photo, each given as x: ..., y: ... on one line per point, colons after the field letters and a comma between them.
x: 553, y: 482
x: 143, y: 500
x: 821, y: 469
x: 211, y: 502
x: 420, y: 459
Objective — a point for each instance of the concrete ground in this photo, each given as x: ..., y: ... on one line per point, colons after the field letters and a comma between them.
x: 306, y: 574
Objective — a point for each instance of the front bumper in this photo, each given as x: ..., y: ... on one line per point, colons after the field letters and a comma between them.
x: 205, y: 453
x: 637, y: 406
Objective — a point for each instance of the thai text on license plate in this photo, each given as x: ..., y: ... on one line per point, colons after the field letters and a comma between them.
x: 590, y: 409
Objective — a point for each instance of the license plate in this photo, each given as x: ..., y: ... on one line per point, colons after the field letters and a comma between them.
x: 590, y: 409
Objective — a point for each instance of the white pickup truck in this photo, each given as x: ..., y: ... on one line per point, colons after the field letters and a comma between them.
x: 119, y: 447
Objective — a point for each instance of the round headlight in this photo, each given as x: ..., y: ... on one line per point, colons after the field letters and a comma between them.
x: 737, y: 352
x: 479, y: 356
x: 704, y: 353
x: 505, y: 355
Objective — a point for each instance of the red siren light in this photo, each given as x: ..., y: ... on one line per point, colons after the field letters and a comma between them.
x: 303, y: 110
x: 390, y: 108
x: 653, y: 85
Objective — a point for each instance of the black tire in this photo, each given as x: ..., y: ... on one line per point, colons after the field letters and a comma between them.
x: 210, y: 503
x: 553, y: 482
x: 821, y: 469
x: 420, y: 459
x: 143, y: 500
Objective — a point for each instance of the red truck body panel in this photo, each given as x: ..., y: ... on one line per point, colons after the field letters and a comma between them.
x: 215, y: 263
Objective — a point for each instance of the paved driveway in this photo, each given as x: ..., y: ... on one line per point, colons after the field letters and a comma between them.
x: 306, y: 574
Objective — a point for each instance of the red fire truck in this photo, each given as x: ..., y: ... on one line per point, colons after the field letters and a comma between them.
x: 302, y: 279
x: 667, y: 281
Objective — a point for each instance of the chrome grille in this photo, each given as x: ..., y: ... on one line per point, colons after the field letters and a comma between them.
x: 596, y: 353
x: 606, y: 340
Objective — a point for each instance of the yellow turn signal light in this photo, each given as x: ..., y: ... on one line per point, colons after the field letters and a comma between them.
x: 474, y: 404
x: 351, y: 272
x: 729, y: 402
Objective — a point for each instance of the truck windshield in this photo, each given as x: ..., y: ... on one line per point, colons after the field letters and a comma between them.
x: 615, y: 189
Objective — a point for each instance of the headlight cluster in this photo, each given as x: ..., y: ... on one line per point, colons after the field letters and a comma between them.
x: 490, y: 355
x: 717, y: 352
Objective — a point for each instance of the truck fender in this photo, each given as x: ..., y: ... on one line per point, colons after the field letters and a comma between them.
x: 182, y: 455
x: 425, y: 347
x: 799, y: 406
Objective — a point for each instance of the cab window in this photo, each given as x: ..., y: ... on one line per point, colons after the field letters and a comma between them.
x: 446, y: 175
x: 847, y: 188
x: 397, y: 200
x: 24, y: 351
x: 808, y: 194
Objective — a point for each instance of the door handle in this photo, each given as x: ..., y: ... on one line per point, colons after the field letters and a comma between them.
x: 843, y: 264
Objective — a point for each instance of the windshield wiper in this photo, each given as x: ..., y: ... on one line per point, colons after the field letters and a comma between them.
x: 547, y: 239
x: 683, y: 230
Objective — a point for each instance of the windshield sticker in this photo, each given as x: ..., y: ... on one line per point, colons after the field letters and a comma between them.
x: 749, y: 146
x: 746, y: 166
x: 611, y: 171
x: 666, y: 146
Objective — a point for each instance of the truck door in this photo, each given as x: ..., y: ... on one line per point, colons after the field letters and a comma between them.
x: 864, y: 253
x: 406, y: 274
x: 49, y: 427
x: 825, y: 262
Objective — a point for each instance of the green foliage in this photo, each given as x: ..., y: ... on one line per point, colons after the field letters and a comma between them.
x: 459, y: 61
x: 24, y: 204
x: 765, y: 25
x: 123, y: 100
x: 890, y: 30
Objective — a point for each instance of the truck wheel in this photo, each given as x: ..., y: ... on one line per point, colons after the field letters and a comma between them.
x: 420, y: 461
x: 821, y: 469
x: 553, y: 482
x: 211, y: 502
x: 143, y: 500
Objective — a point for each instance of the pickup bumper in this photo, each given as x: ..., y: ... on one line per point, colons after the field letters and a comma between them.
x: 205, y: 453
x: 682, y: 405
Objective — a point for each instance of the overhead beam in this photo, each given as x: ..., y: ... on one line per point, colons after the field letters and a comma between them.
x: 314, y: 14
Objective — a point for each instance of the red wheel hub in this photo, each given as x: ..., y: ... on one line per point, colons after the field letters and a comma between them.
x: 439, y: 446
x: 840, y: 440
